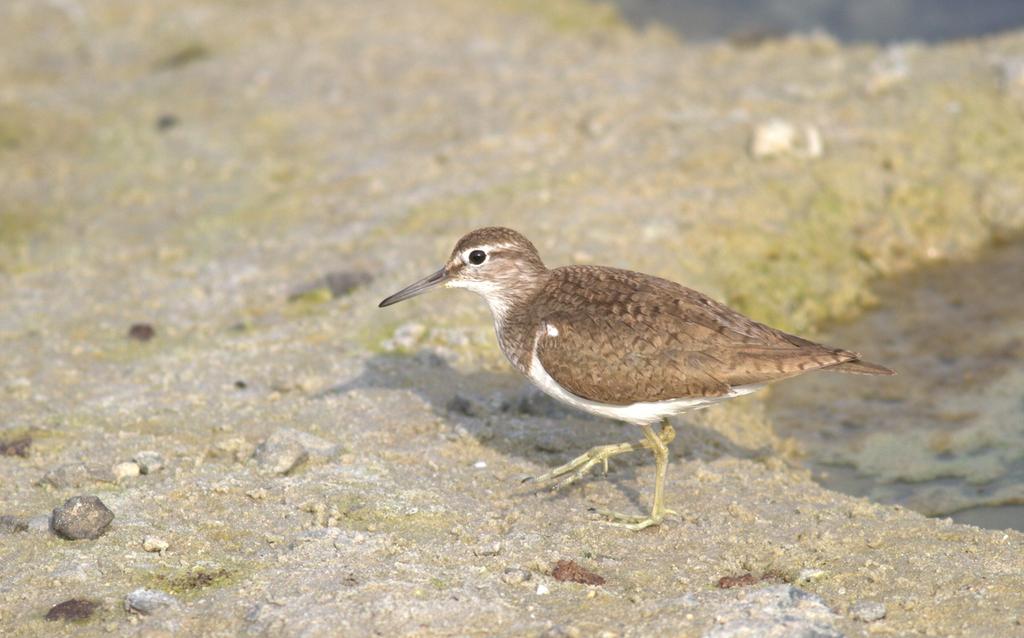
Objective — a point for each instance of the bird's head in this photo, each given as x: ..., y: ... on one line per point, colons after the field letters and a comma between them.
x: 498, y: 264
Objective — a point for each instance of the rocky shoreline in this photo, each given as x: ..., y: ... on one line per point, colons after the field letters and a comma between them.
x: 279, y: 458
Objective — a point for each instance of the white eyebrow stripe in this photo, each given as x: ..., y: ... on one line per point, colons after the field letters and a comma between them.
x: 487, y: 248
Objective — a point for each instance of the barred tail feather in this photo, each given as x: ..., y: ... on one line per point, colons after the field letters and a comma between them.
x: 860, y: 367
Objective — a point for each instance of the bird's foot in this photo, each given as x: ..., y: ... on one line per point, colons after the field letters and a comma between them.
x: 577, y: 468
x: 634, y: 522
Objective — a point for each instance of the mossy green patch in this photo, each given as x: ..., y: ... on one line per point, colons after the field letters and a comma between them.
x: 10, y: 136
x: 192, y: 582
x: 363, y: 513
x: 570, y: 16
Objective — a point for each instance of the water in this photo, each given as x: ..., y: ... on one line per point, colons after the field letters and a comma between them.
x: 860, y: 20
x: 945, y: 436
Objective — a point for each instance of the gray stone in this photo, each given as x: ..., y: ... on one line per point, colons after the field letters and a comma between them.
x: 72, y: 475
x: 867, y: 610
x: 490, y: 548
x: 778, y: 611
x: 81, y: 517
x: 286, y: 449
x: 342, y: 282
x: 40, y: 524
x: 12, y: 524
x: 516, y: 575
x: 338, y: 282
x: 148, y: 601
x: 149, y: 461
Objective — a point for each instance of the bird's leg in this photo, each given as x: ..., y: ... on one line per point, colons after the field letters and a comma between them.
x: 583, y: 463
x: 659, y: 445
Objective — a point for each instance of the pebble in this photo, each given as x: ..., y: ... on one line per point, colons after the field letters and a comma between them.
x: 148, y: 601
x: 342, y: 282
x: 774, y: 137
x: 338, y: 283
x: 488, y: 549
x: 867, y: 611
x: 154, y: 544
x: 12, y: 524
x: 279, y: 455
x: 40, y: 524
x: 77, y: 475
x: 149, y: 462
x: 237, y: 448
x: 73, y: 609
x: 542, y: 589
x: 141, y: 332
x: 166, y: 122
x: 287, y: 448
x: 128, y: 469
x: 779, y: 137
x: 16, y: 447
x: 81, y: 517
x: 516, y: 575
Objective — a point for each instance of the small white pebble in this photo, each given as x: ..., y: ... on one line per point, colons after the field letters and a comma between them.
x: 773, y: 137
x: 128, y: 469
x: 154, y: 544
x: 480, y: 465
x: 542, y: 590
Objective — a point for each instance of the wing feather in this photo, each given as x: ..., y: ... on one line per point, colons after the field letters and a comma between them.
x: 623, y: 338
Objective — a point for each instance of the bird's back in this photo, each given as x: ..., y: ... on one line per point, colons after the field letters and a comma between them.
x: 622, y: 337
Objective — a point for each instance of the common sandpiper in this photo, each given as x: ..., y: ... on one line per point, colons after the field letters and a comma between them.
x: 622, y: 344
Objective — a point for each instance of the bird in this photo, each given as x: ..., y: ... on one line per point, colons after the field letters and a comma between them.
x: 622, y: 344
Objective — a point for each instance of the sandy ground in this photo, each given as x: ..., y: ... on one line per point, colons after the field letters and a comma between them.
x: 329, y: 468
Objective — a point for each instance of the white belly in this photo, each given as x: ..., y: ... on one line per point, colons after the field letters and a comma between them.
x: 638, y: 413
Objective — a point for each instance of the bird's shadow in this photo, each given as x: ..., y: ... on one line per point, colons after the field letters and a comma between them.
x: 503, y: 411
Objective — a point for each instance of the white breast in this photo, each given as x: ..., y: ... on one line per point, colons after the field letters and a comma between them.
x: 638, y: 413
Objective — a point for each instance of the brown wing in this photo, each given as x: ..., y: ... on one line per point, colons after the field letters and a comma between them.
x: 625, y: 337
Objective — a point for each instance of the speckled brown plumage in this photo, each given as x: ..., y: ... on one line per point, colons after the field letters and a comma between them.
x: 625, y: 337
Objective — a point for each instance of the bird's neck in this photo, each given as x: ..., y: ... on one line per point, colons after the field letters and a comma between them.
x: 512, y: 319
x: 511, y: 298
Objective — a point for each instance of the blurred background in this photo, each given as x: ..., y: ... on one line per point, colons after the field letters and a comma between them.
x: 201, y: 203
x: 884, y: 21
x: 200, y: 164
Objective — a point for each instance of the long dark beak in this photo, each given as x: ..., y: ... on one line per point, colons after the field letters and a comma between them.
x: 418, y: 288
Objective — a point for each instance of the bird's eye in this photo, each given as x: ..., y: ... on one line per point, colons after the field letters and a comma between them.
x: 477, y: 257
